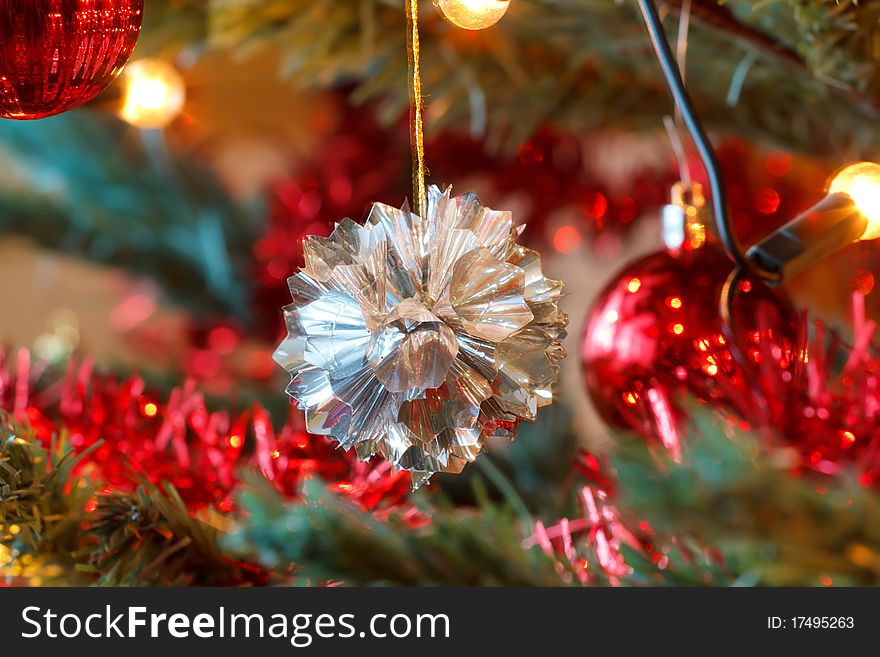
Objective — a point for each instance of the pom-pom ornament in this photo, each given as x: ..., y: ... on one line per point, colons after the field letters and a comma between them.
x: 58, y: 54
x: 416, y: 338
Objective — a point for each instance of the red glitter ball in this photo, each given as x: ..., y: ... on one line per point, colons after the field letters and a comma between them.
x: 656, y: 332
x: 58, y: 54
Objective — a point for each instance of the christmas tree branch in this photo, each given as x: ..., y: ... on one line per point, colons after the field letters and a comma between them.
x: 588, y: 62
x: 42, y: 505
x: 56, y: 529
x: 327, y: 538
x: 738, y: 494
x: 149, y: 538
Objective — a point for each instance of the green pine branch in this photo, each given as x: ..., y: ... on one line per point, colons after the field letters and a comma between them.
x: 326, y: 538
x: 739, y: 495
x: 74, y: 535
x: 42, y: 505
x: 149, y: 538
x: 801, y: 73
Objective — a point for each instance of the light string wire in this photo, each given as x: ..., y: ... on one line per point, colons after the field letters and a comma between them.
x: 416, y: 108
x: 672, y: 74
x: 743, y: 264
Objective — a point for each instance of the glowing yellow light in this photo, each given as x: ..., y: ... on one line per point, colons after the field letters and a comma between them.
x: 860, y: 554
x: 633, y: 285
x: 472, y: 14
x: 154, y: 93
x: 150, y: 409
x: 678, y: 329
x: 861, y: 181
x: 696, y: 233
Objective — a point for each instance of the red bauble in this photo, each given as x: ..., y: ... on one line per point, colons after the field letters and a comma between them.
x: 656, y: 334
x: 58, y: 54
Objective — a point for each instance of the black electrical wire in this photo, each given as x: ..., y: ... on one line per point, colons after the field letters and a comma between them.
x: 716, y: 183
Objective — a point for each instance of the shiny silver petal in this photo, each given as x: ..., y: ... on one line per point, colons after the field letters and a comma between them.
x: 488, y: 296
x: 466, y: 384
x: 372, y: 406
x: 427, y: 418
x: 290, y: 354
x: 336, y: 334
x: 326, y: 414
x: 406, y: 253
x: 538, y: 288
x: 304, y: 289
x: 445, y: 252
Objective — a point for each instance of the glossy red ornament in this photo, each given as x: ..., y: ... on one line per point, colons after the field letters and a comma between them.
x: 58, y: 54
x: 655, y: 335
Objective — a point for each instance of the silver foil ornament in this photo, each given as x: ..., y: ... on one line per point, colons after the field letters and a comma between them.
x: 416, y: 338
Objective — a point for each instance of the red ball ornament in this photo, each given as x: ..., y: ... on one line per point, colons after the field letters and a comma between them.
x: 655, y: 335
x: 58, y: 54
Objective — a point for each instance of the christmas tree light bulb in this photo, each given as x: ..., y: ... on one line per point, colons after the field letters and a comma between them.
x: 849, y: 212
x: 473, y: 14
x: 154, y: 94
x: 861, y: 182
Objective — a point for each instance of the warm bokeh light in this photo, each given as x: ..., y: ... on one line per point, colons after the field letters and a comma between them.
x: 473, y: 14
x: 861, y: 181
x: 154, y: 94
x: 566, y: 239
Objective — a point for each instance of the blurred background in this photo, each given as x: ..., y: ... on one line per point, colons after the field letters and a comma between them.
x: 154, y: 229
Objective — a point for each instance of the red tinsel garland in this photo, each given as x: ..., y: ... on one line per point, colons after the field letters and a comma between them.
x: 181, y: 440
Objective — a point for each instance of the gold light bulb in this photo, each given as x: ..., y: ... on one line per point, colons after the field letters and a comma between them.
x: 861, y: 182
x: 154, y: 93
x: 849, y: 212
x: 473, y: 14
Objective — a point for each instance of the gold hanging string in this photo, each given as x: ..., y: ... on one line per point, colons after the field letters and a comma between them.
x: 416, y: 108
